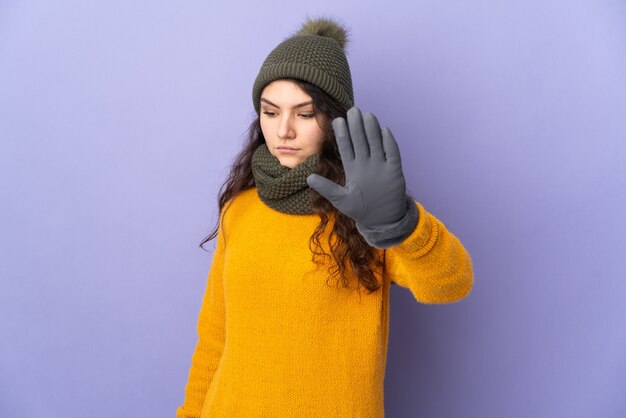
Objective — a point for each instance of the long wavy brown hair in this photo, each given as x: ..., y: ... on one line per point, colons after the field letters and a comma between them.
x: 348, y: 246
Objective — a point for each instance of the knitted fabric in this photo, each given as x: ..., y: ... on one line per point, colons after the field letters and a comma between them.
x: 282, y: 188
x: 277, y: 338
x: 320, y: 60
x: 286, y: 190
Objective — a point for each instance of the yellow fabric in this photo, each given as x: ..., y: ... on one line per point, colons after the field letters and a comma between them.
x: 275, y: 340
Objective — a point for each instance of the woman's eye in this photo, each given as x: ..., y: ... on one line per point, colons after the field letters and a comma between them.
x: 305, y: 116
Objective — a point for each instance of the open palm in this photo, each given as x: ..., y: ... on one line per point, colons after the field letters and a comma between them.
x: 375, y: 190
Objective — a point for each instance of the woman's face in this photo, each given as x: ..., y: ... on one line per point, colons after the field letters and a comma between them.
x: 288, y: 120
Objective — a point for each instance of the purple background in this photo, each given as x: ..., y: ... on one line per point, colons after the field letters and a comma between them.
x: 119, y: 120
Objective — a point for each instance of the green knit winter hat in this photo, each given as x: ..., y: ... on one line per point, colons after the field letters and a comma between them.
x: 315, y: 53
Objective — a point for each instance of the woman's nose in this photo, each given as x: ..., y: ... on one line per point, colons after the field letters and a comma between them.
x: 285, y: 130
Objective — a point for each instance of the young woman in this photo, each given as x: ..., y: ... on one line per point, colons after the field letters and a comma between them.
x: 315, y: 209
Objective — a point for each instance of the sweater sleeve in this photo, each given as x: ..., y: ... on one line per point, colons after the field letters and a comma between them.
x: 431, y: 262
x: 211, y: 335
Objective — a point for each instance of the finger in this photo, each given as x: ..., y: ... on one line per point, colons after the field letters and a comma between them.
x: 342, y: 137
x: 374, y: 136
x: 327, y: 188
x: 357, y: 133
x: 392, y: 151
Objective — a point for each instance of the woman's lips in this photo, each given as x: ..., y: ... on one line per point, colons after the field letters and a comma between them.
x: 287, y: 150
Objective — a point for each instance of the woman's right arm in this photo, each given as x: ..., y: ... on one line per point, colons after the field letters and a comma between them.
x: 210, y: 343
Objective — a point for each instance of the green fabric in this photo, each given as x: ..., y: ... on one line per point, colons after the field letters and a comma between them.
x: 282, y: 188
x: 315, y: 54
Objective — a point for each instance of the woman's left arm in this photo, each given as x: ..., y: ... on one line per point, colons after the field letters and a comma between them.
x: 431, y: 262
x: 420, y: 253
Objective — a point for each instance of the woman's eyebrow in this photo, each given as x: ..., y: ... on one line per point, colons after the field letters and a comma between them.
x: 263, y: 99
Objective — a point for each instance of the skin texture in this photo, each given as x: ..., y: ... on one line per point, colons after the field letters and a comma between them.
x: 284, y: 124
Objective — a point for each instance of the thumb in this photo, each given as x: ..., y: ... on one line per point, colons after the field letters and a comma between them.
x: 329, y: 189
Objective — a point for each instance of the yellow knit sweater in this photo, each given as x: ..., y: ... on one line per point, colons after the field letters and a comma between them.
x: 275, y: 340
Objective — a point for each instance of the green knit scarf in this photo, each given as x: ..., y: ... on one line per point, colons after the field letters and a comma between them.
x: 282, y: 188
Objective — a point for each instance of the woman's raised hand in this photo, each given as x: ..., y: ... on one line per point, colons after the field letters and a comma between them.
x: 375, y: 191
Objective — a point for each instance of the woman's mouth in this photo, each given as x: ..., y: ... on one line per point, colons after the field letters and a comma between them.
x: 287, y: 150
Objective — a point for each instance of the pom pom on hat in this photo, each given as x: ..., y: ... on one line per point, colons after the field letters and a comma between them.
x: 324, y: 26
